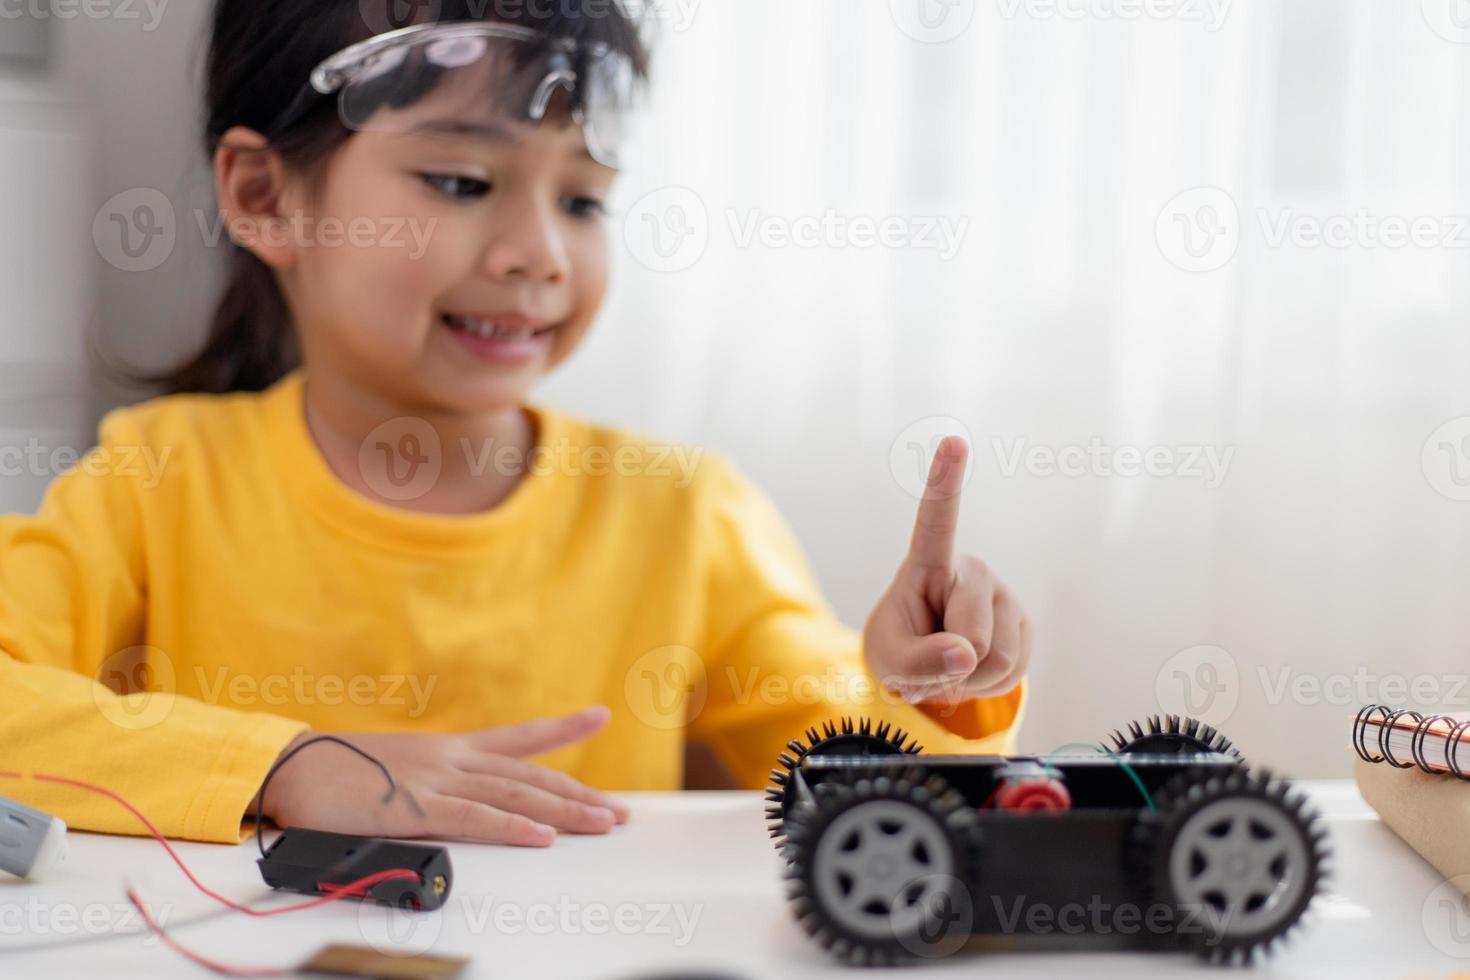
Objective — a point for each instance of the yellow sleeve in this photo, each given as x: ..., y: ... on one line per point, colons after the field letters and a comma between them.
x: 779, y: 661
x: 72, y: 615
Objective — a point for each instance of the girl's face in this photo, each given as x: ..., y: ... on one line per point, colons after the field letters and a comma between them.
x: 452, y: 265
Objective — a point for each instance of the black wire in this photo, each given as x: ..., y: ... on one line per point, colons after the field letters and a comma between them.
x: 317, y: 740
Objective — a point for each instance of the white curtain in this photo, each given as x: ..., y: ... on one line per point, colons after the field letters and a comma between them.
x: 1298, y: 547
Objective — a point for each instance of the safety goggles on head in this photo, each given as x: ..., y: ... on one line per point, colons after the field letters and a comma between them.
x: 474, y: 72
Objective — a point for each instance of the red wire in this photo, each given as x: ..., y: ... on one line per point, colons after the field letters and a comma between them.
x: 333, y: 892
x: 345, y: 891
x: 198, y: 959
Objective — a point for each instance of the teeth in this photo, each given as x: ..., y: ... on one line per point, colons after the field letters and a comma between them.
x: 481, y: 328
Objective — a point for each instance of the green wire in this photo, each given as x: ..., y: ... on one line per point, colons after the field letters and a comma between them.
x: 1133, y: 775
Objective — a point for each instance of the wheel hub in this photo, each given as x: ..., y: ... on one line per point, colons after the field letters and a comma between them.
x: 879, y: 867
x: 1242, y: 862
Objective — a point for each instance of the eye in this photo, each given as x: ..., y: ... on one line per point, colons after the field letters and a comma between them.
x: 456, y: 186
x: 584, y: 208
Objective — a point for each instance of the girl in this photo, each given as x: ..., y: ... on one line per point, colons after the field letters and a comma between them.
x: 364, y: 526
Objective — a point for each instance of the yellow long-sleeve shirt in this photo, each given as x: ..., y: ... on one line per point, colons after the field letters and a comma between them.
x: 201, y: 587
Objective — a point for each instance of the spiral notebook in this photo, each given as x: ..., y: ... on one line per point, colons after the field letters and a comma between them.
x: 1406, y: 738
x: 1407, y: 761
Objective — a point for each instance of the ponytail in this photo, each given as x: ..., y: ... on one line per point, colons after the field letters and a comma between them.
x: 251, y: 343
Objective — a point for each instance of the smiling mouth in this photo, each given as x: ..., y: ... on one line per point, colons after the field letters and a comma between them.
x: 495, y: 328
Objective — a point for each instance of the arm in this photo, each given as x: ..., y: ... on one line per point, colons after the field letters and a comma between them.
x: 778, y: 661
x: 72, y: 625
x: 73, y: 601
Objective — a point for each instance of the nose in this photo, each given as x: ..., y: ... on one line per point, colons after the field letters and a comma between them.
x: 527, y: 244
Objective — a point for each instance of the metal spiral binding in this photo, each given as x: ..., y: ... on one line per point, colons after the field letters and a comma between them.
x: 1424, y: 726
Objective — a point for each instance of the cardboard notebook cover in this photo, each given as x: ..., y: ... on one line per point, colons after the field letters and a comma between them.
x: 1430, y: 812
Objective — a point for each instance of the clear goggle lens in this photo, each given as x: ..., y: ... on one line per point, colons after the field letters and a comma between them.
x: 476, y: 72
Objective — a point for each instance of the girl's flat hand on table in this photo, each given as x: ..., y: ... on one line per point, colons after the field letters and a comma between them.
x: 472, y: 786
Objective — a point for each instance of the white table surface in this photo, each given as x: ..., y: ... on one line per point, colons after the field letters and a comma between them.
x: 690, y: 884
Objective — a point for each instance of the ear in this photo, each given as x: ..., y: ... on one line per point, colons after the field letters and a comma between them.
x: 251, y: 182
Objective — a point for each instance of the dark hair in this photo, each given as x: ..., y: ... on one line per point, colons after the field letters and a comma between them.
x: 261, y: 53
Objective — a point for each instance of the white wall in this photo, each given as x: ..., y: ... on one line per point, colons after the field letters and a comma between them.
x: 112, y: 111
x: 46, y: 278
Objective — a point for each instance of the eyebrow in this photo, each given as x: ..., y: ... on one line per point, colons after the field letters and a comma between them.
x: 489, y: 132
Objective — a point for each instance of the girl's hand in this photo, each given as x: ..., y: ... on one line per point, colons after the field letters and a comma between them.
x: 947, y: 629
x: 474, y: 786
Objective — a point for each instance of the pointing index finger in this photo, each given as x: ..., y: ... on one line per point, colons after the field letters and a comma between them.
x: 933, y: 542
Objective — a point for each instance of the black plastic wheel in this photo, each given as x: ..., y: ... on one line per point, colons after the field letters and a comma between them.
x: 835, y: 738
x: 1237, y: 857
x: 881, y: 868
x: 1171, y: 735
